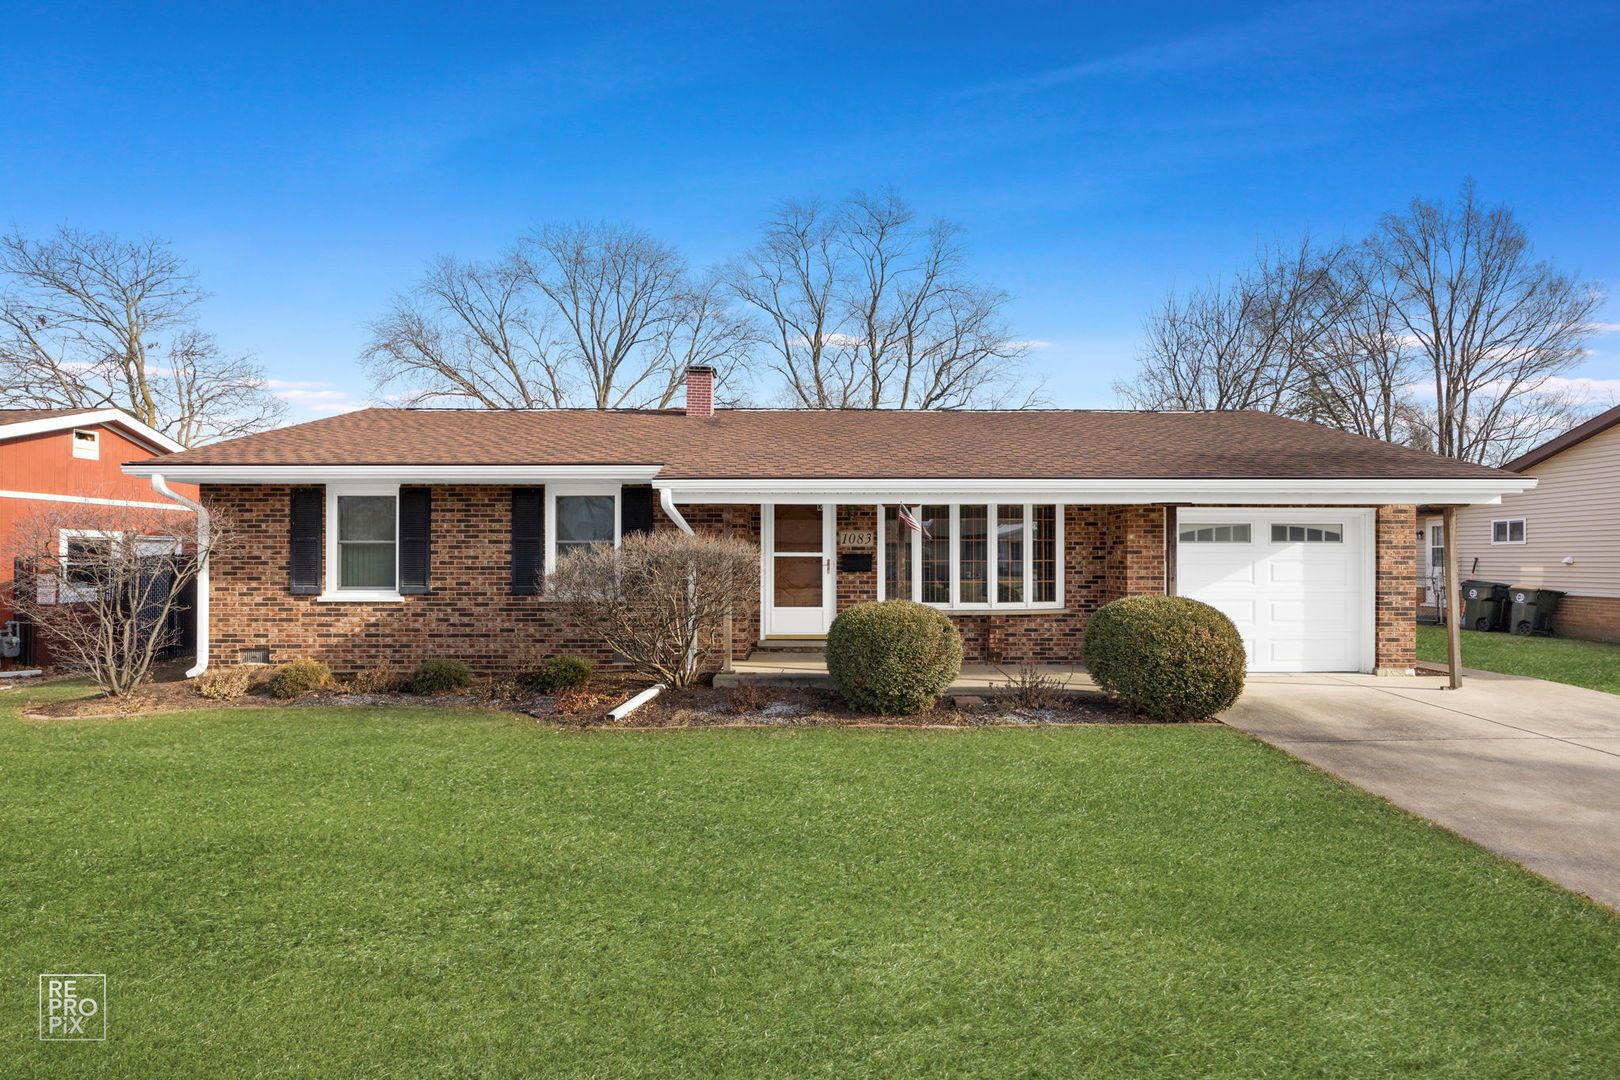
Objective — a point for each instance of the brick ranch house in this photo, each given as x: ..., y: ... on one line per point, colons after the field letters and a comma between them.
x: 390, y: 535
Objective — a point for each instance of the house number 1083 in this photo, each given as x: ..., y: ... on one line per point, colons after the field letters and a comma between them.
x: 856, y: 537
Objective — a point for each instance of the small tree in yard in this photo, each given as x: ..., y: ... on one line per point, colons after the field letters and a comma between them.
x: 659, y: 596
x: 102, y: 584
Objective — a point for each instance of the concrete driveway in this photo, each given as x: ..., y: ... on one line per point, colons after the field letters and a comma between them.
x: 1526, y: 768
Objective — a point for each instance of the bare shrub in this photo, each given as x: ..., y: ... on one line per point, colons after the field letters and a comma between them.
x: 106, y: 585
x: 660, y: 597
x: 225, y: 683
x: 1028, y: 687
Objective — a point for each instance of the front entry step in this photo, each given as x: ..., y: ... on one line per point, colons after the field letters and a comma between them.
x: 789, y: 646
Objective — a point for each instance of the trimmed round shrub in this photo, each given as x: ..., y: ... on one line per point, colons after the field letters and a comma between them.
x: 1166, y: 657
x: 563, y: 673
x: 893, y: 657
x: 299, y: 677
x: 438, y: 675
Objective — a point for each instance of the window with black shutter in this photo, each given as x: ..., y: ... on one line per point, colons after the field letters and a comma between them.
x: 304, y: 541
x: 415, y: 544
x: 528, y: 540
x: 635, y: 510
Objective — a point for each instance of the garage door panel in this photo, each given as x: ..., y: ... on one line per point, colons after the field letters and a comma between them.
x: 1303, y: 606
x: 1317, y: 572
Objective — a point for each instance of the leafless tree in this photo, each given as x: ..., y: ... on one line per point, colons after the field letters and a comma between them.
x: 865, y: 308
x: 582, y: 314
x: 1243, y: 344
x: 1492, y: 328
x: 91, y: 321
x: 470, y: 333
x: 100, y: 583
x: 1359, y: 374
x: 660, y: 597
x: 1438, y: 331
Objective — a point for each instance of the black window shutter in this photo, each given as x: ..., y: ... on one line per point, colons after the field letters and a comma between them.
x: 528, y: 540
x: 635, y: 510
x: 304, y: 536
x: 415, y: 528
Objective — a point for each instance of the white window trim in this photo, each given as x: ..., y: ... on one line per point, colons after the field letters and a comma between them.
x: 90, y: 446
x: 992, y: 577
x: 69, y: 592
x: 1524, y: 532
x: 555, y: 490
x: 330, y: 592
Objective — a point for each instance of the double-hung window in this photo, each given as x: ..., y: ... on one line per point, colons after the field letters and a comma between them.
x: 578, y: 518
x: 362, y: 542
x: 973, y: 555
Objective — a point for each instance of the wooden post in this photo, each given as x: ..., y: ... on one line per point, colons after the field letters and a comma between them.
x: 1453, y: 599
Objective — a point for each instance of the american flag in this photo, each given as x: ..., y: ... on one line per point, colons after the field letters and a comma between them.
x: 909, y: 520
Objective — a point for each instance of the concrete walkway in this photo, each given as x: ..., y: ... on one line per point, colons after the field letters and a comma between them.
x: 810, y: 669
x: 1526, y: 768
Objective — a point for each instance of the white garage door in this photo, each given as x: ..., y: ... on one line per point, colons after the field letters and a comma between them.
x: 1298, y: 583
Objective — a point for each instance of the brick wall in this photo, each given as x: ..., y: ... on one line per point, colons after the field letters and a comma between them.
x: 470, y: 614
x: 1395, y: 566
x: 1594, y: 618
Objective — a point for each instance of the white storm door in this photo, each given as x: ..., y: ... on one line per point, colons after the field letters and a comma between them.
x: 798, y: 570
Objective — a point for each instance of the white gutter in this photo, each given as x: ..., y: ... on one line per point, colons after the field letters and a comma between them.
x: 1212, y: 492
x: 666, y: 499
x: 160, y: 486
x: 401, y: 474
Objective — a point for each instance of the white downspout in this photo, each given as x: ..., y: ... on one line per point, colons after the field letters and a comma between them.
x: 666, y: 499
x: 161, y: 486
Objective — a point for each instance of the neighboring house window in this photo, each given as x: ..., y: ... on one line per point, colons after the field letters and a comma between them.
x: 1314, y: 533
x: 974, y: 555
x: 1508, y: 531
x: 87, y: 444
x: 362, y: 542
x: 1214, y: 534
x: 85, y: 559
x: 577, y: 518
x: 83, y: 556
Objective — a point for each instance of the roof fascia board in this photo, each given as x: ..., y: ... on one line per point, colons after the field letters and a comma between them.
x: 143, y: 433
x: 1597, y: 425
x: 403, y: 474
x: 1484, y: 491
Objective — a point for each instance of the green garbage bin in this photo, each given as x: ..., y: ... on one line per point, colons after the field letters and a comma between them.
x: 1484, y: 605
x: 1533, y: 610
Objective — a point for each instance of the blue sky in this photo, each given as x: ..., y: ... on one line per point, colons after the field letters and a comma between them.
x: 309, y: 158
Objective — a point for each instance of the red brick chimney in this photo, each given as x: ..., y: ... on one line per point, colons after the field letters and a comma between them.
x: 700, y: 391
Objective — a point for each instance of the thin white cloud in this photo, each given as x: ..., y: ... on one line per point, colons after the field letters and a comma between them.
x: 1283, y: 32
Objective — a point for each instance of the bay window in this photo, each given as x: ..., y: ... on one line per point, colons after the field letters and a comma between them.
x: 973, y: 555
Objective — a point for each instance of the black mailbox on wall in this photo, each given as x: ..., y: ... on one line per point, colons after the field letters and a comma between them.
x: 855, y: 562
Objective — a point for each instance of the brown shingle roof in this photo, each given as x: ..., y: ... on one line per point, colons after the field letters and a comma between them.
x: 853, y: 444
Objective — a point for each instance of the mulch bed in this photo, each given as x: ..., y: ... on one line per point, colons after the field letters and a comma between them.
x: 693, y: 707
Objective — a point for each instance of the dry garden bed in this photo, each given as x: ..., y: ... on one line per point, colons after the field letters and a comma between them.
x: 588, y: 705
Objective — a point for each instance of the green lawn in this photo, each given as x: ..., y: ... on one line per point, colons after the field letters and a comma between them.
x: 419, y: 893
x: 1591, y: 664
